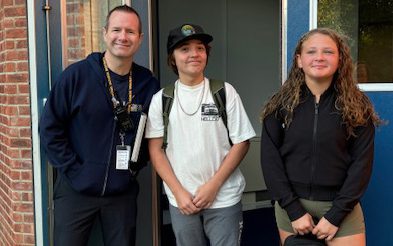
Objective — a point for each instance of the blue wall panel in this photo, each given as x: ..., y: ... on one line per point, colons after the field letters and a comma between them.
x: 298, y: 24
x: 378, y: 201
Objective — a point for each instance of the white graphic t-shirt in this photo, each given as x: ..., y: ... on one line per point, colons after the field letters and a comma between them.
x: 198, y: 139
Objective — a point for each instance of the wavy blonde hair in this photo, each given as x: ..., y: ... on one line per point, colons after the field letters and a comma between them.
x: 355, y: 107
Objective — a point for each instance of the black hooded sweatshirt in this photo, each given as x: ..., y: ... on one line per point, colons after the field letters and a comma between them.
x: 314, y: 159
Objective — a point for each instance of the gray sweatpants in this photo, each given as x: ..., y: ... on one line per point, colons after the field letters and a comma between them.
x: 221, y: 226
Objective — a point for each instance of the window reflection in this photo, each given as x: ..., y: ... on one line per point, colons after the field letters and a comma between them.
x: 369, y: 25
x: 84, y: 20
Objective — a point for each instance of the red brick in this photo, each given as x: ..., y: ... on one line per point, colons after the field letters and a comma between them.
x: 2, y: 55
x: 5, y: 180
x: 23, y: 207
x: 18, y: 227
x: 28, y: 218
x: 17, y: 217
x: 23, y: 89
x: 20, y: 2
x: 73, y: 7
x: 28, y: 228
x: 76, y: 54
x: 23, y: 100
x: 24, y: 110
x: 27, y: 197
x: 75, y: 31
x: 25, y: 132
x: 9, y: 67
x: 3, y: 100
x: 74, y: 42
x: 26, y: 175
x: 20, y: 22
x: 16, y: 196
x: 17, y: 164
x: 19, y: 121
x: 10, y: 110
x: 8, y: 23
x: 10, y: 89
x: 22, y: 66
x: 13, y: 55
x: 29, y: 239
x: 26, y: 153
x: 17, y: 77
x: 18, y: 237
x: 8, y: 3
x: 9, y: 45
x: 21, y: 44
x: 14, y: 153
x: 16, y: 33
x: 5, y: 198
x: 17, y: 100
x: 20, y: 143
x: 14, y: 11
x: 14, y: 175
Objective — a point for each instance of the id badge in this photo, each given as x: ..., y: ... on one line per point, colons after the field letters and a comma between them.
x: 122, y: 156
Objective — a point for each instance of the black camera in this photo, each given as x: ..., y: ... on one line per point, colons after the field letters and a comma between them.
x: 123, y: 119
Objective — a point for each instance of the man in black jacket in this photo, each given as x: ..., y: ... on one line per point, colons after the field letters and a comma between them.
x: 88, y: 129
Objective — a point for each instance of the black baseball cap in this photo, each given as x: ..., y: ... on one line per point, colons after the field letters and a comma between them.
x: 186, y: 32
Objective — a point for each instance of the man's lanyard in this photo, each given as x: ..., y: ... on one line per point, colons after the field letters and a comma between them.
x: 111, y: 91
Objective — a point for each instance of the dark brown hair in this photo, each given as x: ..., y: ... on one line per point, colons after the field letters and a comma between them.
x: 123, y: 8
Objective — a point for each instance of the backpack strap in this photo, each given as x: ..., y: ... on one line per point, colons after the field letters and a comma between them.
x: 167, y: 101
x: 217, y: 88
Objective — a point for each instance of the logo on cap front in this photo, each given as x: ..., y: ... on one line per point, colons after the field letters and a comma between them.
x: 187, y: 30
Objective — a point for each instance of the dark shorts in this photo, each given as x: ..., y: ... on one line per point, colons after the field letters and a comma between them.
x: 352, y: 224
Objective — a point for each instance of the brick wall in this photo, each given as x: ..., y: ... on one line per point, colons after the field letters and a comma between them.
x: 16, y: 185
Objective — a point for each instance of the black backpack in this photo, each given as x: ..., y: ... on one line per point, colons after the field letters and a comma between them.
x: 306, y: 240
x: 217, y: 88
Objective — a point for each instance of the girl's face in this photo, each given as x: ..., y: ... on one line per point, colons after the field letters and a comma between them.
x: 191, y: 58
x: 319, y: 58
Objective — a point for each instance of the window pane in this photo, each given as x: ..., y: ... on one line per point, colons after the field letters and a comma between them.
x: 369, y: 25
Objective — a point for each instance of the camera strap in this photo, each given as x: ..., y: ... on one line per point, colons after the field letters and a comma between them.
x: 115, y: 101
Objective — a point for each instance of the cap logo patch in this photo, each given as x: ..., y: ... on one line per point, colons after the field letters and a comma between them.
x: 187, y: 30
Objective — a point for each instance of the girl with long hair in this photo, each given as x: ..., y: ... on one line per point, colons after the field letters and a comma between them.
x: 318, y: 142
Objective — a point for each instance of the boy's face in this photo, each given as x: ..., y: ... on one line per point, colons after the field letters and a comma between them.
x: 190, y: 58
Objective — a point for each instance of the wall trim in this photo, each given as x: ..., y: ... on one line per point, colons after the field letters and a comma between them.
x: 313, y: 22
x: 284, y: 40
x: 376, y: 86
x: 37, y: 176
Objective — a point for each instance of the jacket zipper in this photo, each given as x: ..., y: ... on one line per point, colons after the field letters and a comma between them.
x: 314, y: 147
x: 109, y: 162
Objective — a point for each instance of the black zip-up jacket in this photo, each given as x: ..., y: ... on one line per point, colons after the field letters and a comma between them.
x: 79, y: 132
x: 314, y: 159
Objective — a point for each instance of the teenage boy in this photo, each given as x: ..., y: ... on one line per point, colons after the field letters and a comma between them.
x: 199, y: 164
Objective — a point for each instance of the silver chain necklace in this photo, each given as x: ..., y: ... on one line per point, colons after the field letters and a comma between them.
x: 178, y: 99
